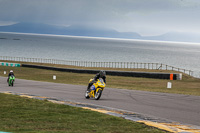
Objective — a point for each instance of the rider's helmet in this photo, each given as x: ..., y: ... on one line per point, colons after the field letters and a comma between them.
x: 11, y: 71
x: 102, y: 73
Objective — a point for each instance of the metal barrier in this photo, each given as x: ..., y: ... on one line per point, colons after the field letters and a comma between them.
x: 156, y: 75
x: 133, y: 65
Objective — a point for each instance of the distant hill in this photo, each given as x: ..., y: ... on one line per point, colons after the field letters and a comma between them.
x: 176, y: 36
x: 74, y: 30
x: 82, y: 30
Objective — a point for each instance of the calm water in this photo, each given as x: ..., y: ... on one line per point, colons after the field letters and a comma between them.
x: 182, y: 55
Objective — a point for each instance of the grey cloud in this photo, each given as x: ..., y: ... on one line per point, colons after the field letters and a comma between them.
x: 22, y: 9
x: 123, y: 15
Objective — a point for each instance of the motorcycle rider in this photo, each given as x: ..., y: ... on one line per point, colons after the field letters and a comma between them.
x: 101, y: 74
x: 10, y: 74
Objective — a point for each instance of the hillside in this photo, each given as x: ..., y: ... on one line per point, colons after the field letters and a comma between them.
x: 82, y: 30
x: 75, y: 30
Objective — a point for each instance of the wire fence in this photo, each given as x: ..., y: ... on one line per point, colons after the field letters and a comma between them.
x: 131, y: 65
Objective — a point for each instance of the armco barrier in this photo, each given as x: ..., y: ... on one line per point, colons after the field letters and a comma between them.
x: 176, y: 76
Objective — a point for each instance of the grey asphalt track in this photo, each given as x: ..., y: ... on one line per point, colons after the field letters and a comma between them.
x: 180, y: 108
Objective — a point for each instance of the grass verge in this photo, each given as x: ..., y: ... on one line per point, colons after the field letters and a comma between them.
x: 22, y: 115
x: 187, y: 86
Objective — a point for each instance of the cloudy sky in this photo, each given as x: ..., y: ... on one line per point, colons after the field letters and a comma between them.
x: 146, y: 17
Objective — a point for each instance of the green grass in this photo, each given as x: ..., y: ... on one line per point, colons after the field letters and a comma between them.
x: 187, y: 86
x: 31, y: 115
x: 22, y: 115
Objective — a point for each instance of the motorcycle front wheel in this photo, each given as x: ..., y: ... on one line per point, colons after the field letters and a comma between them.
x: 87, y: 95
x: 98, y: 94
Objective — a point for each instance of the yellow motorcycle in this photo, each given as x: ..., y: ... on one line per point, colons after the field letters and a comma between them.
x: 96, y: 89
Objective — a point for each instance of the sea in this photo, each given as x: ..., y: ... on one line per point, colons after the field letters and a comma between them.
x: 75, y: 48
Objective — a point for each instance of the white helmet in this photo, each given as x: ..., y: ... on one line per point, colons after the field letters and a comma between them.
x: 11, y: 71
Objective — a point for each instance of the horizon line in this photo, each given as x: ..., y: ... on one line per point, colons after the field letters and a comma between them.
x: 105, y: 38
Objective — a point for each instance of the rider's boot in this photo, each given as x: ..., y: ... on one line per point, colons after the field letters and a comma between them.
x: 89, y: 85
x: 88, y: 88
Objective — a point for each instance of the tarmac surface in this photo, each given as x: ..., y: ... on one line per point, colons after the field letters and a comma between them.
x: 174, y: 107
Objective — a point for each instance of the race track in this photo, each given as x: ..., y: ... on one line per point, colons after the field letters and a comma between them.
x: 180, y: 108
